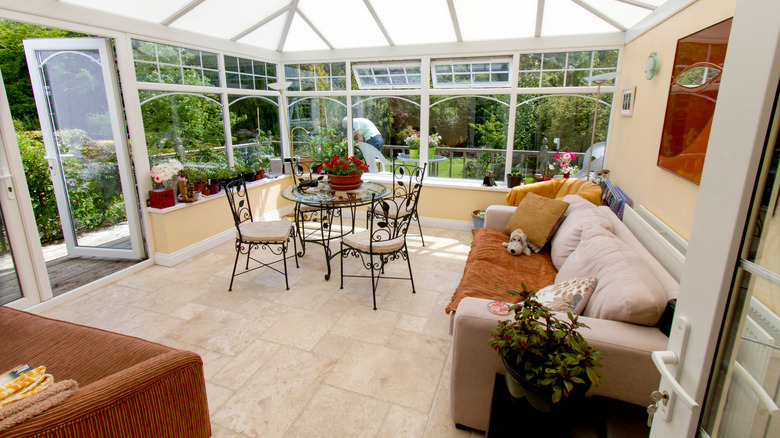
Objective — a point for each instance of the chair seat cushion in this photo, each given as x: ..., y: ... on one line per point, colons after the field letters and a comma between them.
x: 266, y: 231
x: 362, y: 240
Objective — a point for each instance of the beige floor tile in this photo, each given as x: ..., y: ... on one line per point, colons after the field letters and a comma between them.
x: 216, y: 396
x: 220, y: 330
x: 395, y: 376
x: 333, y: 346
x: 213, y: 362
x: 403, y: 422
x: 365, y: 324
x: 299, y: 328
x: 241, y: 368
x: 221, y: 432
x: 268, y: 404
x: 334, y: 412
x: 170, y: 298
x: 415, y: 343
x: 188, y: 311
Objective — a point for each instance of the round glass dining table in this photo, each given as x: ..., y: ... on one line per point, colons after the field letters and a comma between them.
x: 326, y: 204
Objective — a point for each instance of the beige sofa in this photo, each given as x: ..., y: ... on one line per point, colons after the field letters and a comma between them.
x: 629, y: 299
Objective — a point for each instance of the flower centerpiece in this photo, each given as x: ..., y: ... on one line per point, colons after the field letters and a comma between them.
x: 413, y: 141
x: 563, y: 162
x: 546, y: 358
x: 163, y: 173
x: 344, y: 172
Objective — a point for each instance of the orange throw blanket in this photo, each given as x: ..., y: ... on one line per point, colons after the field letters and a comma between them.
x: 491, y: 270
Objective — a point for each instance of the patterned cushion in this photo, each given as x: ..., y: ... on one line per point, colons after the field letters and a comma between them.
x: 570, y: 296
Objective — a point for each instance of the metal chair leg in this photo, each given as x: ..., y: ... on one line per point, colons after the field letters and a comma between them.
x: 409, y: 264
x: 419, y: 226
x: 284, y: 262
x: 235, y: 263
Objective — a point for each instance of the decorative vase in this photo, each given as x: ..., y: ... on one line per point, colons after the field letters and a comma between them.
x: 566, y: 175
x: 414, y: 153
x: 344, y: 182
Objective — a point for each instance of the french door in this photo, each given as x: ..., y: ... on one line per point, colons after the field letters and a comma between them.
x: 76, y: 94
x: 723, y: 367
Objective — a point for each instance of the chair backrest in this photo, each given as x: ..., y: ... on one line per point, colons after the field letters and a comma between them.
x: 238, y: 198
x: 405, y: 179
x: 303, y: 172
x: 372, y: 154
x: 393, y: 214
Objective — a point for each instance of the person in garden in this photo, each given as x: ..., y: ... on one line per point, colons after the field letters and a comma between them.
x: 364, y: 130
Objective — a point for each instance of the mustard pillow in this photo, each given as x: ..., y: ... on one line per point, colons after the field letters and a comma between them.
x: 537, y: 216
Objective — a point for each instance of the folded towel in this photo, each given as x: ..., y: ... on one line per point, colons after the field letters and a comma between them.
x: 36, y: 404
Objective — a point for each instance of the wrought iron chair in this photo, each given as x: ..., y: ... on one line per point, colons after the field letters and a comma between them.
x: 271, y: 235
x: 385, y: 239
x: 302, y: 174
x: 404, y: 180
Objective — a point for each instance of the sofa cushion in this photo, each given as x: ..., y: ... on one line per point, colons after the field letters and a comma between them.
x: 576, y: 202
x: 570, y: 296
x: 627, y: 290
x: 567, y: 236
x: 538, y: 217
x: 490, y: 271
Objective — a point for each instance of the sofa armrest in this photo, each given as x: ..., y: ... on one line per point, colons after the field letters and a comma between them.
x: 162, y: 396
x: 628, y: 373
x: 497, y: 216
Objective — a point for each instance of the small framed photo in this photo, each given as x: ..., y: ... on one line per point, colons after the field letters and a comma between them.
x: 627, y: 104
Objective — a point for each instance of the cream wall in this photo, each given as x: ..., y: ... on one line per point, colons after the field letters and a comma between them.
x: 634, y: 141
x: 456, y: 204
x: 182, y: 226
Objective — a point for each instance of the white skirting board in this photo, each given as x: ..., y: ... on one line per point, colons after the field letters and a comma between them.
x: 448, y: 224
x: 213, y: 241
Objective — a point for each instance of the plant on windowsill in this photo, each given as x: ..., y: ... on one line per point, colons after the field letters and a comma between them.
x: 547, y: 360
x: 563, y: 163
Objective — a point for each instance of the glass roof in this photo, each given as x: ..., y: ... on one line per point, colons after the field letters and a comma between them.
x: 311, y: 25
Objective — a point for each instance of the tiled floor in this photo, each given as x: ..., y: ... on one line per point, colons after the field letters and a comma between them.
x: 311, y: 361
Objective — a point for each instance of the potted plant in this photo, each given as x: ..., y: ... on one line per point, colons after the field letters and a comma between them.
x: 213, y: 174
x: 515, y: 178
x: 548, y: 362
x: 563, y: 161
x: 344, y: 172
x: 413, y: 141
x: 259, y: 167
x: 478, y: 216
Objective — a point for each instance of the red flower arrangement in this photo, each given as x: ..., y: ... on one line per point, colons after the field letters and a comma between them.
x: 344, y: 166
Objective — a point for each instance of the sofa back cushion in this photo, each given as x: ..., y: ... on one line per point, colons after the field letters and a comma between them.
x: 627, y: 288
x: 569, y: 233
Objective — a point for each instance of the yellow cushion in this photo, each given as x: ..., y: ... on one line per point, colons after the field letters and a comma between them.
x: 537, y: 216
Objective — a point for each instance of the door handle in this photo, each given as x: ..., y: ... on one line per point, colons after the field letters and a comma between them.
x: 754, y: 386
x: 9, y: 183
x: 663, y: 358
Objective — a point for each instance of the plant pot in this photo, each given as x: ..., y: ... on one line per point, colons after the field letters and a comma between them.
x: 431, y: 152
x: 213, y: 187
x: 529, y: 180
x: 199, y: 187
x: 344, y: 182
x: 539, y: 397
x: 513, y: 180
x: 259, y: 174
x: 249, y: 176
x: 479, y: 221
x: 414, y: 153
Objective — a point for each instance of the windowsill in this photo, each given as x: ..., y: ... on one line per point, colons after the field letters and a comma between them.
x: 429, y: 181
x: 221, y: 194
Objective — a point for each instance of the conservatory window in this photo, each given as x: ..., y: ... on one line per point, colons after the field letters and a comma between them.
x: 164, y: 64
x: 387, y: 76
x: 471, y: 74
x: 316, y: 127
x: 317, y: 77
x: 254, y: 124
x: 564, y: 69
x: 249, y: 74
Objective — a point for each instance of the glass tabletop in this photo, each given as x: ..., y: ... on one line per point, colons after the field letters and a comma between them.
x: 323, y: 194
x: 433, y: 159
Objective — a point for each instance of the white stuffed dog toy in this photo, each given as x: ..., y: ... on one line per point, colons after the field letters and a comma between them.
x: 518, y: 243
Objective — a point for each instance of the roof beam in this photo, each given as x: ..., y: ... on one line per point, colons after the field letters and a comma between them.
x: 287, y: 24
x: 378, y: 22
x: 455, y: 22
x: 600, y: 14
x: 640, y: 4
x: 261, y: 24
x: 181, y: 12
x: 317, y: 31
x: 539, y: 18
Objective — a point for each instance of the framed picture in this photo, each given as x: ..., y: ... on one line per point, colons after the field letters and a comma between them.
x: 627, y: 105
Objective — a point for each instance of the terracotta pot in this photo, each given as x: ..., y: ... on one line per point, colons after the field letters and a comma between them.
x: 199, y: 187
x: 345, y: 181
x: 259, y: 174
x: 214, y: 187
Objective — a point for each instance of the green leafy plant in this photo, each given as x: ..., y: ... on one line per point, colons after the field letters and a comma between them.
x: 545, y: 350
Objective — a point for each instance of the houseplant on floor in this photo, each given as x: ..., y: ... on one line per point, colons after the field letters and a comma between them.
x: 548, y: 362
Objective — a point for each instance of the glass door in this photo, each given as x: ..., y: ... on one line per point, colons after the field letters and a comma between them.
x: 75, y: 85
x: 23, y: 279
